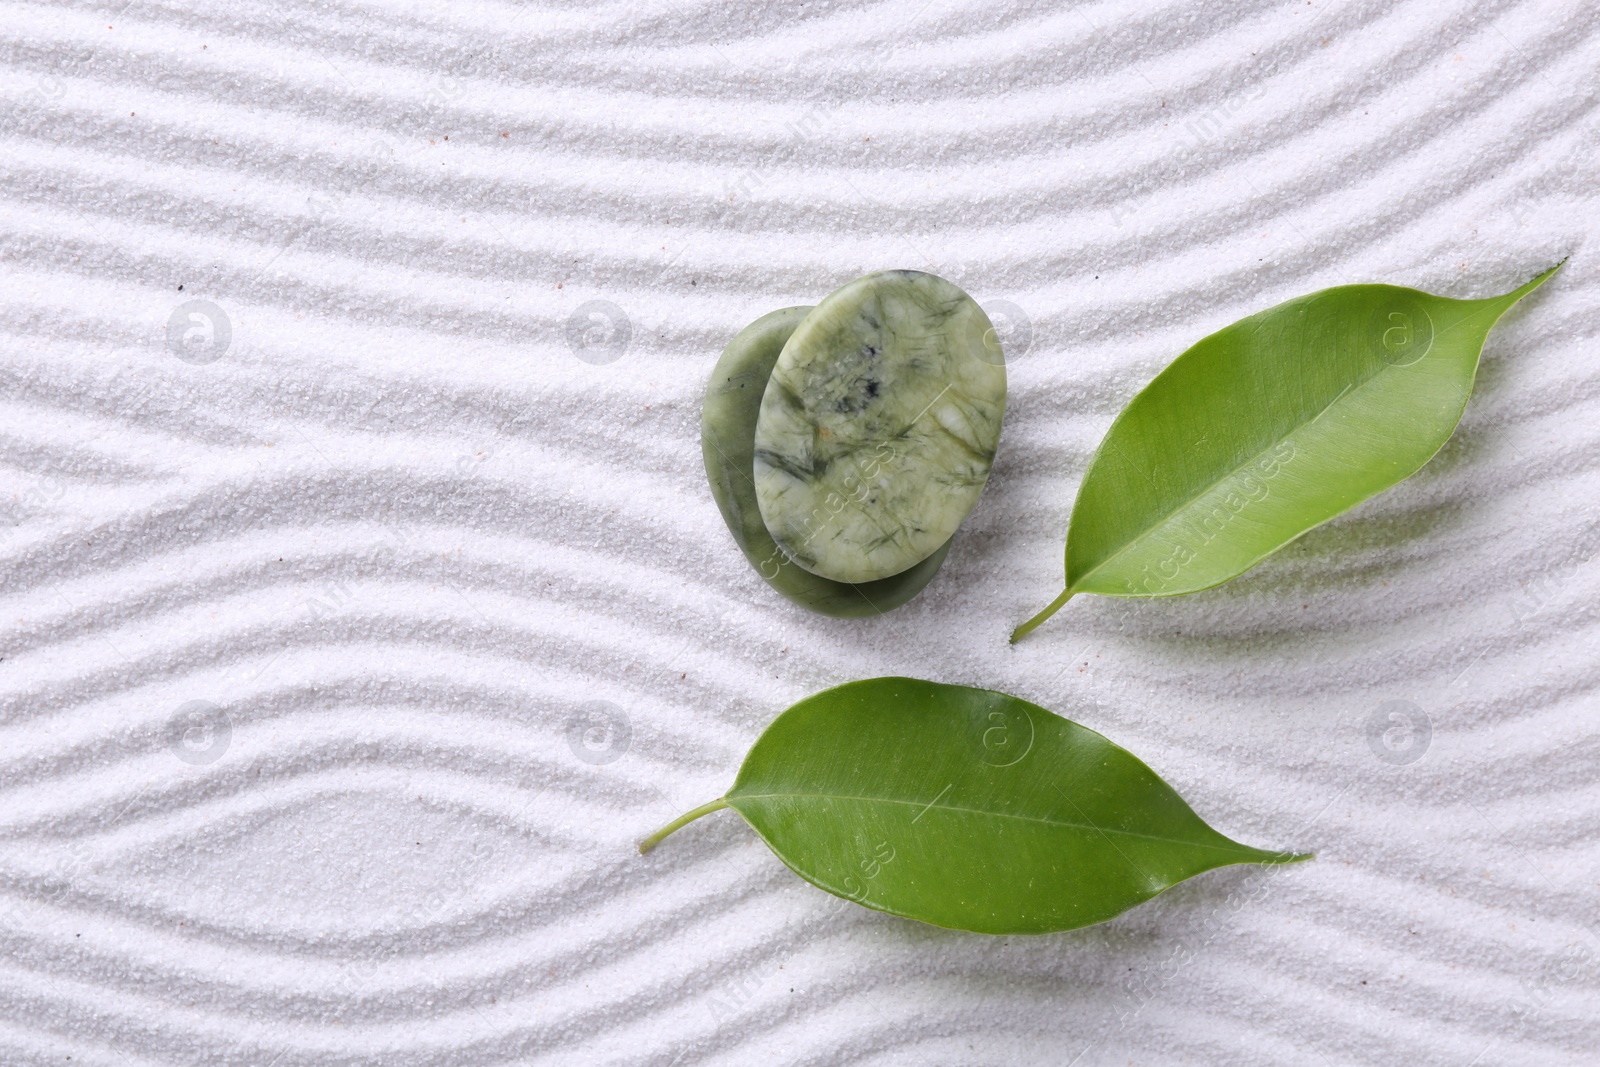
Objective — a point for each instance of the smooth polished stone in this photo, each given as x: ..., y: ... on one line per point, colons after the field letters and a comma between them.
x: 727, y: 444
x: 878, y: 426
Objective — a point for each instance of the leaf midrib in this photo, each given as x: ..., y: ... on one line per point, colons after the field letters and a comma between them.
x: 1138, y: 539
x: 1088, y: 827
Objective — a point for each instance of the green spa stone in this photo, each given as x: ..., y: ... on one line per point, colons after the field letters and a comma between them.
x: 878, y: 426
x: 727, y: 444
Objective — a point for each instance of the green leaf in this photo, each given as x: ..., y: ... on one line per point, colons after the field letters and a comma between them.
x: 727, y: 444
x: 967, y: 808
x: 1268, y: 428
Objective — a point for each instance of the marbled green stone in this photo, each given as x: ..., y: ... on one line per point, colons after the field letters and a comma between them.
x: 878, y: 425
x: 727, y: 443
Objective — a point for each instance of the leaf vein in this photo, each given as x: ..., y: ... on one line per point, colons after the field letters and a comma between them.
x: 1138, y: 539
x: 1242, y: 849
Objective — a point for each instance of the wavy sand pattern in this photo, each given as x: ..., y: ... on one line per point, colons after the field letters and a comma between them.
x: 301, y: 642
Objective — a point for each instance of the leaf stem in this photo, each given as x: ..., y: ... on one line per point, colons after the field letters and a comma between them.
x: 681, y: 821
x: 1032, y: 624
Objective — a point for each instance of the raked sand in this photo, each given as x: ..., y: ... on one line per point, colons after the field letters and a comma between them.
x: 342, y: 673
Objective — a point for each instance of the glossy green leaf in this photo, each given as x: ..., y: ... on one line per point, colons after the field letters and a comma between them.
x: 1268, y: 428
x: 727, y: 444
x: 967, y: 808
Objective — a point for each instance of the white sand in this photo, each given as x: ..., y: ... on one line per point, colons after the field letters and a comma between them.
x: 398, y: 533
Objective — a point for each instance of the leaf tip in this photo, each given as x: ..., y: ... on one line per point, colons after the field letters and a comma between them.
x: 1542, y: 277
x: 1527, y: 287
